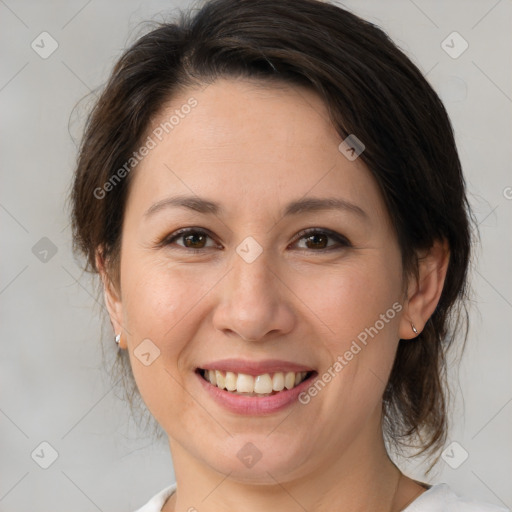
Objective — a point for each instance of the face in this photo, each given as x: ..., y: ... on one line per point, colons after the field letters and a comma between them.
x: 255, y: 276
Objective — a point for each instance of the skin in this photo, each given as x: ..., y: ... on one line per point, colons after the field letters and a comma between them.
x: 254, y: 147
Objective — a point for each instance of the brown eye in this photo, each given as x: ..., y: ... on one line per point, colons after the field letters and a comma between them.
x: 318, y: 240
x: 193, y: 239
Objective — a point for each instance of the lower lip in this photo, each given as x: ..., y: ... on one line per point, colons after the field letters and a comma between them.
x: 254, y: 405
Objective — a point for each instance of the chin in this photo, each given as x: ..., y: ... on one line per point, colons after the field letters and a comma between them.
x: 259, y: 459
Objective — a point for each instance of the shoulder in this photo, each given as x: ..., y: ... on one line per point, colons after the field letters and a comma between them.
x: 156, y: 503
x: 441, y: 498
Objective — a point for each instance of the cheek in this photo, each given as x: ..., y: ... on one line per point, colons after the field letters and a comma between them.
x: 165, y: 302
x: 159, y: 304
x: 155, y: 295
x: 155, y: 305
x: 353, y: 296
x: 361, y: 304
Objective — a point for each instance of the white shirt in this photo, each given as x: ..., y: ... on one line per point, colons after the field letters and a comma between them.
x: 439, y: 498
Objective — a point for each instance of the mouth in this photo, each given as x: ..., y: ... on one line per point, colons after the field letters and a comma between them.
x: 254, y: 388
x: 264, y: 385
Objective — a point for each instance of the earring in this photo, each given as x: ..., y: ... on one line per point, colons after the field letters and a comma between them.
x: 118, y: 339
x: 414, y: 330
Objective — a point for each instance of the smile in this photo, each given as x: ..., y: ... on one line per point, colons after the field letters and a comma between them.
x: 254, y: 388
x: 267, y: 384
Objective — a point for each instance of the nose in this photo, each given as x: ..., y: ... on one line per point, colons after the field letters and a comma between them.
x: 254, y: 301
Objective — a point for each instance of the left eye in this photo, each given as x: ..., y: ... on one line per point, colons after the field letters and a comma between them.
x: 316, y: 239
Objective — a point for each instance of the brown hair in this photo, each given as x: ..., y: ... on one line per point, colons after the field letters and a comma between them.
x: 371, y: 89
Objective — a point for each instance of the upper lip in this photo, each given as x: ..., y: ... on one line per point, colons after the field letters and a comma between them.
x: 255, y: 368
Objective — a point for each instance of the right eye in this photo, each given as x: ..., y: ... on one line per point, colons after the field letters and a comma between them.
x: 194, y: 239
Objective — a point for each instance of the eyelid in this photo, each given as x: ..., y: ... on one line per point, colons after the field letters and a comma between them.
x: 184, y: 231
x: 339, y: 238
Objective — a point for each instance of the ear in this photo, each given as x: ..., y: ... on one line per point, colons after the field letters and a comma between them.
x: 112, y: 298
x: 424, y: 293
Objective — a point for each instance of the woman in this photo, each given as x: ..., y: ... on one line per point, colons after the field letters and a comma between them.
x: 272, y: 196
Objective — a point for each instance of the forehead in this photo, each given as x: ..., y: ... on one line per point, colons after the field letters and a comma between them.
x: 239, y: 116
x: 248, y: 140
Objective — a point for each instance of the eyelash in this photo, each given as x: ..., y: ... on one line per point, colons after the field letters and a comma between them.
x: 340, y: 239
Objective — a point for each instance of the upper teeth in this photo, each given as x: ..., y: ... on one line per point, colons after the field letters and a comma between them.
x: 261, y: 384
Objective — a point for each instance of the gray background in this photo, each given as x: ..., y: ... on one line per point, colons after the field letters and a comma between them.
x: 53, y: 387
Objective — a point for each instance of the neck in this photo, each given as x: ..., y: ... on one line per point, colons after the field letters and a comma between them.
x: 360, y: 478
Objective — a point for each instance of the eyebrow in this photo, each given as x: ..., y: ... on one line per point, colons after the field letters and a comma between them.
x: 293, y: 208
